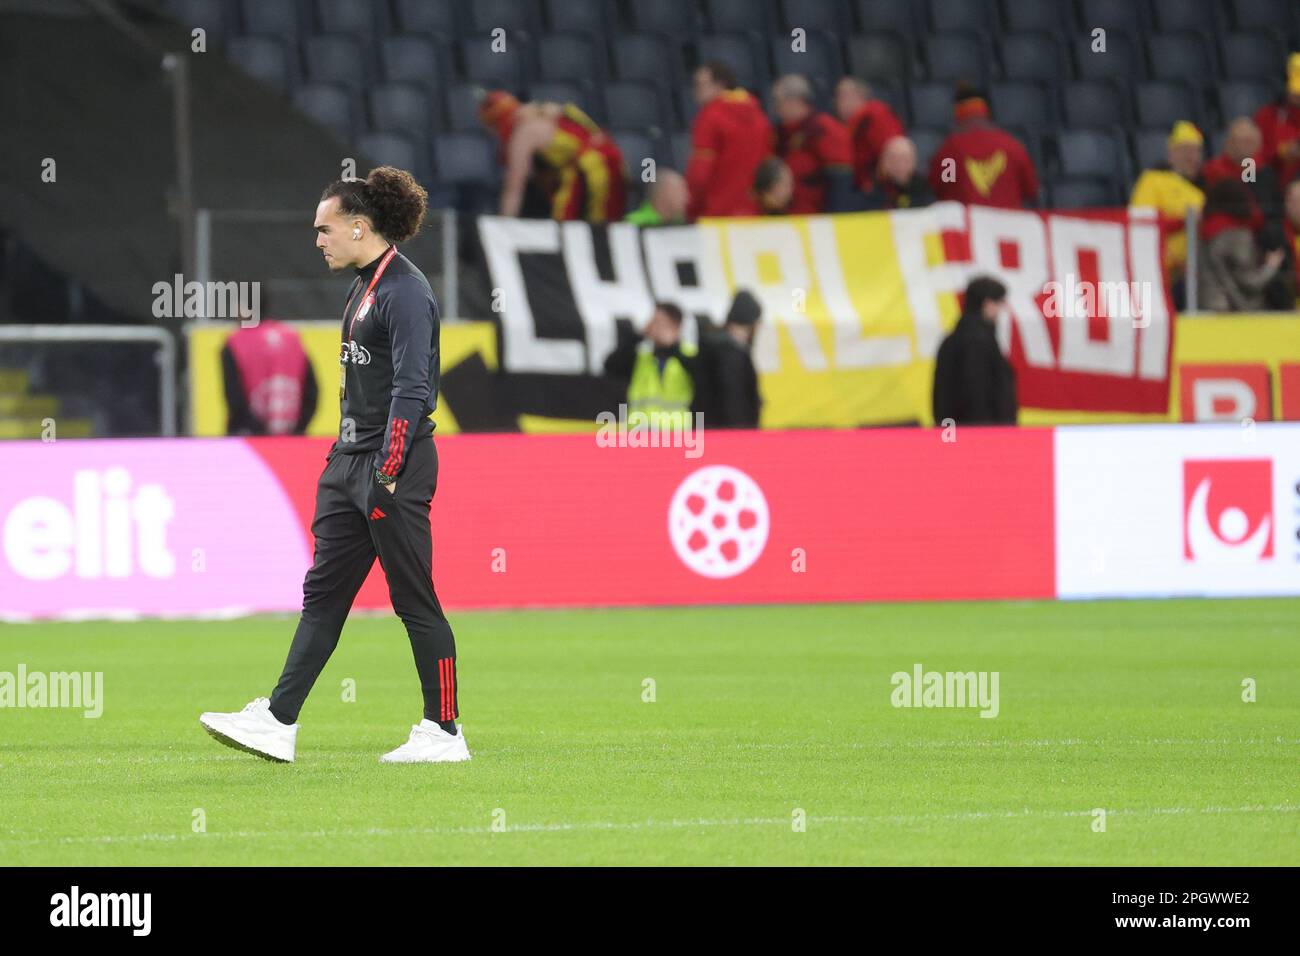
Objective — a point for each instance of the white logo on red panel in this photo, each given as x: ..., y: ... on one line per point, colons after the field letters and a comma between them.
x: 718, y: 521
x: 1228, y: 510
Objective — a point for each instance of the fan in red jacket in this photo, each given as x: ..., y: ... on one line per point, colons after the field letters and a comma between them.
x: 871, y: 124
x: 979, y: 163
x: 816, y: 148
x: 731, y: 136
x: 1279, y: 124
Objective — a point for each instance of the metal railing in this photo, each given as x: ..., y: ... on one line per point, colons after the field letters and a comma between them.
x: 208, y: 267
x: 114, y: 333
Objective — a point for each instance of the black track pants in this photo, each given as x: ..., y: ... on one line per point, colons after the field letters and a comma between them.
x: 356, y: 520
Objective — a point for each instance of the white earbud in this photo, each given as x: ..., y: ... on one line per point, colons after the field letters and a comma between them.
x: 356, y: 233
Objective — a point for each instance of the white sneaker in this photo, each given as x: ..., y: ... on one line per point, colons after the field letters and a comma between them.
x: 429, y: 743
x: 253, y: 730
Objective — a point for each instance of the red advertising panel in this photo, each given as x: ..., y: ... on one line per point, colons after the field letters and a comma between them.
x: 222, y: 526
x: 758, y: 517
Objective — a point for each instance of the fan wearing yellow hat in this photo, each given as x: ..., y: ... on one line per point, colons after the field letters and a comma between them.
x: 1279, y: 125
x: 1172, y: 188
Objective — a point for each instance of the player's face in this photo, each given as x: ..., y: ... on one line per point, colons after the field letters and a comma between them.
x: 334, y: 236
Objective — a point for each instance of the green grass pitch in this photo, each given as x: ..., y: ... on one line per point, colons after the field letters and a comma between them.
x: 762, y: 715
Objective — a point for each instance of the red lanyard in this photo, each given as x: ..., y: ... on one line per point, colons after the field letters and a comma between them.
x: 374, y: 280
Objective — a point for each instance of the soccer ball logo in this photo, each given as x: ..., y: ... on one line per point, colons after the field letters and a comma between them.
x: 718, y: 521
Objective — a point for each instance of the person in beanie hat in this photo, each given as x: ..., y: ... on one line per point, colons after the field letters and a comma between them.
x: 980, y: 163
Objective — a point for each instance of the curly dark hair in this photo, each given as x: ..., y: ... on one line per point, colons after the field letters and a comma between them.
x: 389, y: 197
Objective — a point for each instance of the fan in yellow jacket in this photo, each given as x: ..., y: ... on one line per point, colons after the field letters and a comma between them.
x: 1173, y: 188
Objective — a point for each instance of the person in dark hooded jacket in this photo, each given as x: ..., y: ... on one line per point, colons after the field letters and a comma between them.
x: 728, y: 395
x: 974, y: 383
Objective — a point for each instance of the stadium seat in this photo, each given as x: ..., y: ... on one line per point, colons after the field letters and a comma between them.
x: 636, y: 146
x: 1093, y: 103
x: 1017, y: 103
x: 394, y: 149
x: 888, y: 16
x: 483, y: 65
x: 1126, y: 15
x: 329, y: 106
x: 1272, y: 15
x: 1121, y: 59
x: 208, y: 14
x: 686, y: 107
x: 740, y: 52
x: 740, y: 16
x: 821, y: 57
x: 264, y: 58
x: 968, y: 16
x: 681, y: 149
x: 335, y: 59
x: 569, y: 56
x: 1034, y: 57
x: 1242, y: 98
x: 416, y: 59
x: 931, y: 104
x: 1021, y: 17
x: 927, y: 142
x: 466, y: 158
x: 346, y: 16
x: 1161, y: 103
x: 1181, y: 56
x: 1031, y: 138
x: 1258, y: 55
x: 578, y: 92
x: 270, y: 18
x: 1199, y: 16
x: 880, y: 56
x: 513, y: 16
x: 461, y: 103
x: 1083, y: 193
x: 674, y: 17
x: 428, y: 16
x: 647, y: 56
x: 401, y: 108
x: 831, y: 15
x: 1098, y: 154
x: 956, y: 56
x: 1149, y: 148
x: 895, y: 95
x: 594, y: 17
x: 636, y: 105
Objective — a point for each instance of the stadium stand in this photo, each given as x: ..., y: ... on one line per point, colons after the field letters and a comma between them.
x: 1208, y: 61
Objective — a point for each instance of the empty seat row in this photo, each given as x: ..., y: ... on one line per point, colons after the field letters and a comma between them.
x: 689, y: 18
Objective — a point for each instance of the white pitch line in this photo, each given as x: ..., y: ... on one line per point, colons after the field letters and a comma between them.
x: 756, y: 745
x: 595, y: 825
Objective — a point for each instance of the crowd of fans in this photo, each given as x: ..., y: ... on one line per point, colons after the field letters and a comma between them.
x: 560, y: 164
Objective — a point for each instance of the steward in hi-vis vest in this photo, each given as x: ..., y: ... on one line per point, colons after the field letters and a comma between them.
x: 660, y: 370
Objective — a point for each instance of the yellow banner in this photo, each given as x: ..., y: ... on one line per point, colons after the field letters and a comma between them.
x: 1271, y: 339
x: 837, y: 347
x: 320, y: 340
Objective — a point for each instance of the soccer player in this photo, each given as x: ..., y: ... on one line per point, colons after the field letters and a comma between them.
x: 374, y: 494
